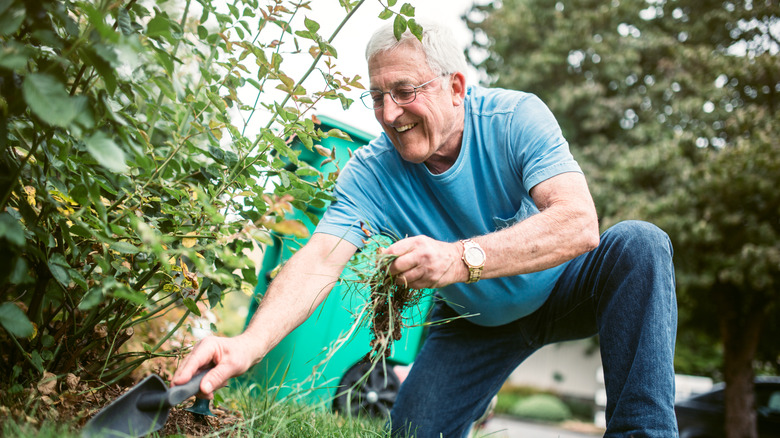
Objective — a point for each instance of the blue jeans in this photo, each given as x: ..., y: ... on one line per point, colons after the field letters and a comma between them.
x: 624, y: 291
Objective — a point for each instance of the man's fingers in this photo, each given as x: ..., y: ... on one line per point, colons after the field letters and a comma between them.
x: 202, y: 355
x: 214, y: 379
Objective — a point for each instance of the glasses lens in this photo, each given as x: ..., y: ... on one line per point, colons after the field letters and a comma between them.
x: 372, y: 99
x: 403, y: 94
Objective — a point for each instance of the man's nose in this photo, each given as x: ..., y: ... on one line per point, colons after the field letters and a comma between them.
x: 390, y: 110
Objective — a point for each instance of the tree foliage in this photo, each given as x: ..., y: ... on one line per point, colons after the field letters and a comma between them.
x: 671, y: 107
x: 145, y: 145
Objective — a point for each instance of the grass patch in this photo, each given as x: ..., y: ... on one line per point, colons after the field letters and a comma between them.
x: 250, y: 417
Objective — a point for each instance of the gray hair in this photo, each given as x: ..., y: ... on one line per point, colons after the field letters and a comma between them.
x: 438, y: 44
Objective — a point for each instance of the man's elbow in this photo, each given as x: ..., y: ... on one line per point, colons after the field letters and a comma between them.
x: 590, y: 233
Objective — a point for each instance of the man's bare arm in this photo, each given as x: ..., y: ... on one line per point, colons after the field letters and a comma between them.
x: 301, y: 285
x: 566, y: 227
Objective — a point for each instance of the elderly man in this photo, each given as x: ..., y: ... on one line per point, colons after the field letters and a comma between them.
x: 501, y: 222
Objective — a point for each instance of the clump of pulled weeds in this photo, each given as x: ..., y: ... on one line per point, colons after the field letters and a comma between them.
x: 388, y: 297
x: 387, y: 304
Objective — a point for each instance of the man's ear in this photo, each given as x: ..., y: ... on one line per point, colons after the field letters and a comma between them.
x: 458, y: 88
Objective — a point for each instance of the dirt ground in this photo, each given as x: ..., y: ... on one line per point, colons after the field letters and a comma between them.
x: 79, y: 404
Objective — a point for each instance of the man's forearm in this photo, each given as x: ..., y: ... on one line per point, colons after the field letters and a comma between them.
x: 566, y: 227
x: 301, y: 286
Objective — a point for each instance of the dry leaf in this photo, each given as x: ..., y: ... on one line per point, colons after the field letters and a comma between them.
x: 30, y: 192
x: 72, y: 381
x: 322, y: 150
x: 296, y: 228
x: 189, y: 242
x: 48, y: 384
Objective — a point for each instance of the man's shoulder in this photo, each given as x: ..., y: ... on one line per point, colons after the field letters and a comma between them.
x: 379, y: 148
x: 494, y: 100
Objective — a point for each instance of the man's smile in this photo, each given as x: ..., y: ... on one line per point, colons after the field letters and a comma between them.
x: 405, y: 128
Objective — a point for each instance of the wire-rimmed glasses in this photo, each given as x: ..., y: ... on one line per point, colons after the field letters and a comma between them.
x: 402, y: 94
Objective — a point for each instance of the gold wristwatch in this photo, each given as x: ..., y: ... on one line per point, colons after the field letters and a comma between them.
x: 474, y: 258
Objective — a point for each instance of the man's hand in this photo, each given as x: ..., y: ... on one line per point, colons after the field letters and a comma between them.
x: 302, y: 284
x: 231, y: 357
x: 427, y: 263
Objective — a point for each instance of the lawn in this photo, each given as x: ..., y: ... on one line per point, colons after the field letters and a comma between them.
x: 237, y: 415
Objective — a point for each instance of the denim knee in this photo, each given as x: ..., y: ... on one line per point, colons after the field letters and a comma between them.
x: 641, y: 238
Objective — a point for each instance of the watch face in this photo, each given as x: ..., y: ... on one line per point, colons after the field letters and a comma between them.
x: 474, y: 256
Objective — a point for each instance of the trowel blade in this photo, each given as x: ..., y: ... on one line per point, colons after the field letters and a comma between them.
x: 123, y: 418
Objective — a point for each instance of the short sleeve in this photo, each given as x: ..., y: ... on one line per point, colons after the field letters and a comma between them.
x: 540, y: 149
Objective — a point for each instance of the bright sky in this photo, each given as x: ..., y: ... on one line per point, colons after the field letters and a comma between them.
x: 351, y: 41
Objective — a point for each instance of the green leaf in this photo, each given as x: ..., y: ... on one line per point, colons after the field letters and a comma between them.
x: 325, y: 47
x: 47, y: 341
x: 15, y: 321
x: 123, y: 19
x: 47, y: 98
x: 407, y: 10
x: 60, y: 274
x: 97, y: 18
x: 415, y: 29
x: 130, y: 295
x: 124, y: 247
x: 399, y: 26
x: 106, y: 152
x: 214, y: 294
x: 59, y: 268
x: 19, y: 274
x: 159, y: 26
x: 387, y: 13
x: 249, y: 275
x: 217, y: 154
x: 37, y: 360
x: 59, y: 260
x: 14, y: 56
x: 10, y: 21
x: 391, y: 3
x: 92, y: 298
x: 202, y: 32
x: 11, y: 229
x: 311, y: 25
x: 191, y: 305
x: 103, y: 66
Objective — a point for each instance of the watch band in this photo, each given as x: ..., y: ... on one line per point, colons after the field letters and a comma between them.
x: 474, y: 258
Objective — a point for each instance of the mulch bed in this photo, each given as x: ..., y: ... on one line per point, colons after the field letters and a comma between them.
x: 76, y: 405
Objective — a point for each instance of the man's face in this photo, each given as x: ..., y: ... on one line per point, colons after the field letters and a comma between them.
x: 428, y: 130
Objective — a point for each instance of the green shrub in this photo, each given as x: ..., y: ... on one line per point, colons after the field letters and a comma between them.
x: 582, y: 410
x: 131, y: 179
x: 542, y: 407
x: 506, y: 401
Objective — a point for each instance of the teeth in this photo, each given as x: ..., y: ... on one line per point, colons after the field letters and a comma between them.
x: 405, y: 127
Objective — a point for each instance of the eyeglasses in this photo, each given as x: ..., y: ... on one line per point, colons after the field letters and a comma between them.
x: 402, y: 94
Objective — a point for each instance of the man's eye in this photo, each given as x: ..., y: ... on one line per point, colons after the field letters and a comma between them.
x: 404, y: 93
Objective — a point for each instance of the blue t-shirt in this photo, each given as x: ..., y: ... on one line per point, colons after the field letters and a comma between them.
x: 511, y: 142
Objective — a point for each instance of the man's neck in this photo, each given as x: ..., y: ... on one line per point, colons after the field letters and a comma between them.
x: 440, y: 163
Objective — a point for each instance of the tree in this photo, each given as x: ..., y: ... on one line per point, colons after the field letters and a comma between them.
x: 128, y: 183
x: 671, y: 107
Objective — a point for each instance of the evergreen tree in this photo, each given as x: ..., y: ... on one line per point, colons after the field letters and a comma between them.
x: 671, y: 108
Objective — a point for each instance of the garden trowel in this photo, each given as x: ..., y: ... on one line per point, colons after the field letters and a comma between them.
x: 141, y: 410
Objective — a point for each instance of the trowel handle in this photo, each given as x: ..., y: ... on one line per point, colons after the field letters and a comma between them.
x: 178, y: 394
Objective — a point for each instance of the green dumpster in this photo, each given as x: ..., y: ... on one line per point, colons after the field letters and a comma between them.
x: 319, y: 363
